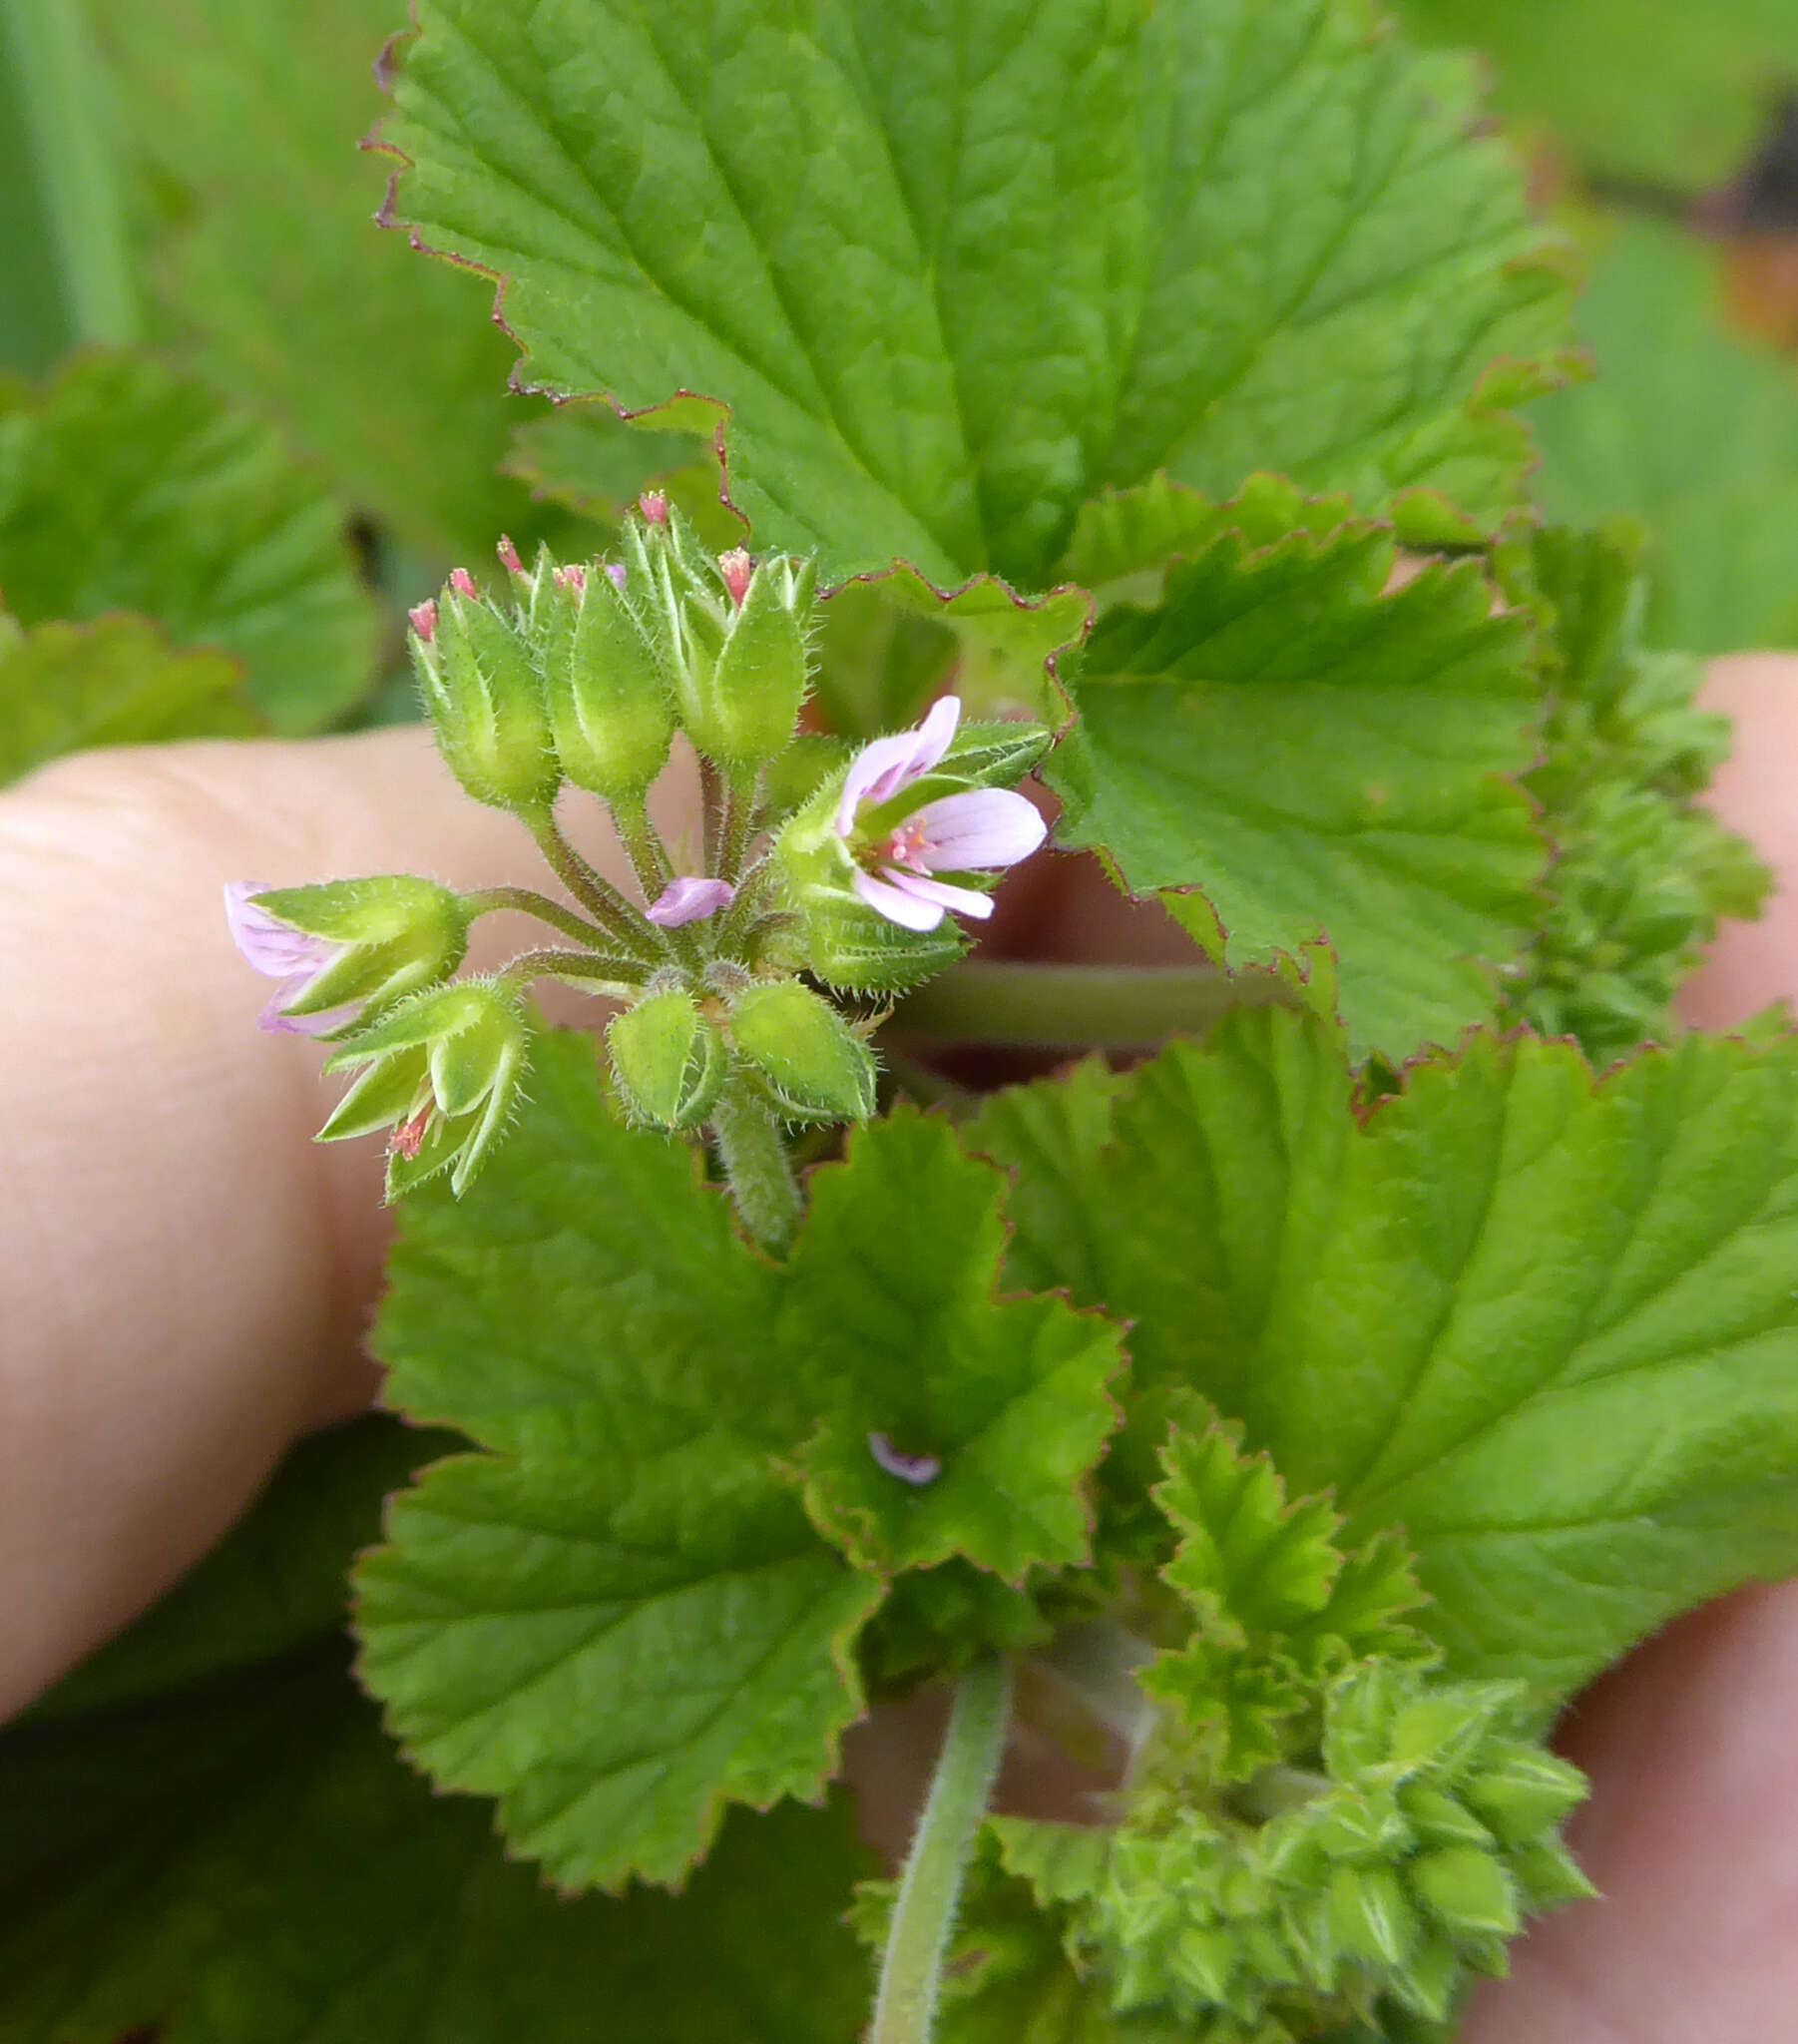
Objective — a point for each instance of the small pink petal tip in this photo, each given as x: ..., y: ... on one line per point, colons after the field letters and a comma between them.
x: 689, y: 899
x: 916, y: 1470
x: 463, y: 583
x: 738, y: 571
x: 654, y: 506
x: 573, y: 577
x: 424, y: 620
x: 508, y: 554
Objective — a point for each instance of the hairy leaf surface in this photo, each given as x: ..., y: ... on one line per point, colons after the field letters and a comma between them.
x: 962, y: 265
x: 1542, y: 1324
x: 621, y: 1617
x: 891, y: 1307
x: 1282, y: 751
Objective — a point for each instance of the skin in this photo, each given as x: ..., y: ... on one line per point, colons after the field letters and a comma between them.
x: 186, y: 1280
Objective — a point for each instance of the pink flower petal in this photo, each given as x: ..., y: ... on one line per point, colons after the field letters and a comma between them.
x: 690, y: 898
x: 914, y: 1469
x: 880, y: 770
x: 272, y: 1017
x: 908, y: 910
x: 275, y: 948
x: 963, y: 900
x: 979, y: 828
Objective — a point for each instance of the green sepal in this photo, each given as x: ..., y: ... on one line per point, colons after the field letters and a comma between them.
x: 668, y: 1059
x: 400, y: 934
x: 484, y: 697
x: 611, y: 712
x: 760, y: 682
x: 817, y: 1067
x: 444, y: 1067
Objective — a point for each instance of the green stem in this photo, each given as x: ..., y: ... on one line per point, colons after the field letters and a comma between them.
x: 527, y: 901
x: 758, y: 1168
x: 648, y: 861
x: 1055, y: 1007
x: 62, y: 103
x: 738, y: 810
x: 608, y: 907
x: 911, y: 1972
x: 620, y: 977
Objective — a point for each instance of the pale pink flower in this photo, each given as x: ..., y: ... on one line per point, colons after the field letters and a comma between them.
x: 974, y: 830
x: 508, y: 554
x: 654, y: 506
x: 278, y: 952
x: 689, y: 899
x: 424, y: 620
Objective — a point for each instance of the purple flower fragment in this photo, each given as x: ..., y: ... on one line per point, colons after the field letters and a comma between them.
x: 278, y: 952
x: 974, y: 830
x: 689, y: 899
x: 917, y: 1470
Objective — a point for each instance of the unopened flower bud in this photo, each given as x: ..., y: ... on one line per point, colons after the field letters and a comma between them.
x: 654, y: 506
x: 611, y: 712
x: 485, y: 700
x: 347, y: 945
x: 668, y: 1059
x: 741, y: 707
x: 441, y: 1070
x: 816, y: 1065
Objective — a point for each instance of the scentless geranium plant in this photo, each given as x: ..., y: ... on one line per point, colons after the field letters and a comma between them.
x: 999, y: 434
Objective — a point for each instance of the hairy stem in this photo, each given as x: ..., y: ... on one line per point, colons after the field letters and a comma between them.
x: 1059, y: 1006
x: 759, y: 1169
x: 592, y: 973
x: 648, y: 861
x: 602, y: 900
x: 905, y: 2008
x: 527, y: 901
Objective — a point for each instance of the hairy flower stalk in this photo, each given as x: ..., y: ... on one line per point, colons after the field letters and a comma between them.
x: 570, y: 679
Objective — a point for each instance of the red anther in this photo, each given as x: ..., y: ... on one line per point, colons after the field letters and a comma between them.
x: 737, y: 570
x: 509, y: 556
x: 463, y: 583
x: 654, y: 506
x: 424, y: 620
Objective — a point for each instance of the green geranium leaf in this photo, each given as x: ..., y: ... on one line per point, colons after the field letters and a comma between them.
x: 126, y: 488
x: 243, y: 118
x: 1691, y: 429
x: 929, y: 338
x: 1542, y: 1324
x: 891, y: 1306
x: 1283, y: 751
x: 623, y: 1619
x: 1645, y: 874
x: 1125, y: 533
x: 1050, y: 1137
x: 1651, y: 89
x: 115, y: 683
x: 249, y: 1863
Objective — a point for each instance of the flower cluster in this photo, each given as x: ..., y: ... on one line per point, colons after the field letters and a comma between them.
x: 580, y: 675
